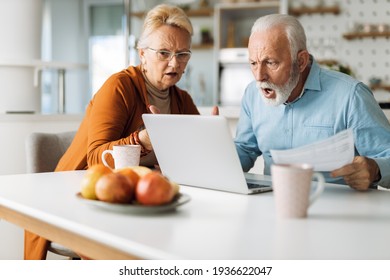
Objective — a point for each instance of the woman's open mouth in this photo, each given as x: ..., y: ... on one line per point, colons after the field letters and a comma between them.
x: 171, y: 74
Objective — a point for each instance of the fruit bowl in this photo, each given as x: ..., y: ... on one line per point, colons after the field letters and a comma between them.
x: 135, y: 207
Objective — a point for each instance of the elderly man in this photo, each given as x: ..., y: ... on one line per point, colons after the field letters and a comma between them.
x: 294, y: 102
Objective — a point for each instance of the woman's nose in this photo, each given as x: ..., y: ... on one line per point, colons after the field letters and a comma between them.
x: 173, y: 61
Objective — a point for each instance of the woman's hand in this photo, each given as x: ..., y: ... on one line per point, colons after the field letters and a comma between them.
x: 143, y: 134
x: 154, y: 109
x: 144, y: 139
x: 215, y: 111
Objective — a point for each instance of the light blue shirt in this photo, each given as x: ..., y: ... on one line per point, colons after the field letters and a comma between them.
x: 332, y: 101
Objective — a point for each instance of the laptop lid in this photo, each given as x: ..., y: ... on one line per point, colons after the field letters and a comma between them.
x: 197, y: 151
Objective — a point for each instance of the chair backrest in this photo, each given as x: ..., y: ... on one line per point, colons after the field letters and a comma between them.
x: 44, y: 150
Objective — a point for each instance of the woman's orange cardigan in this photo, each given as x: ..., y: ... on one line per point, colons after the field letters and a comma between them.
x: 111, y: 116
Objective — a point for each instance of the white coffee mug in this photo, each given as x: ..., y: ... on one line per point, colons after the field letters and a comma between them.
x: 123, y: 155
x: 292, y: 187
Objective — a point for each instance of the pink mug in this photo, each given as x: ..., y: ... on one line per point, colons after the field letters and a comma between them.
x: 292, y: 187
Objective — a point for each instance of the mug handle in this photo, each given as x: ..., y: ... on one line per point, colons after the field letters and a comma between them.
x: 320, y: 187
x: 105, y: 152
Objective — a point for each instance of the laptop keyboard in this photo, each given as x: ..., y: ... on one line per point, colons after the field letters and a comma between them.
x: 256, y: 186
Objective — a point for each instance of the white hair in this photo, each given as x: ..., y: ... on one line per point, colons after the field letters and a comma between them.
x: 294, y: 31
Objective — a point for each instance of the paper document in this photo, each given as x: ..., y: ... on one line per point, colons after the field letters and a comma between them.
x: 324, y: 155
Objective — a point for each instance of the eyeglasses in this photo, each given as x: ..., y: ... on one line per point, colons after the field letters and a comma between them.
x: 167, y: 55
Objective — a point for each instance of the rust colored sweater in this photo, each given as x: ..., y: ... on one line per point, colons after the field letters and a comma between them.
x: 111, y: 116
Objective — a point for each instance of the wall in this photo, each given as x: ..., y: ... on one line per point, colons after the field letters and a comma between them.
x: 365, y: 56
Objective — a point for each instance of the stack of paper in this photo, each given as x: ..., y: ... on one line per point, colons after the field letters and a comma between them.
x: 324, y: 155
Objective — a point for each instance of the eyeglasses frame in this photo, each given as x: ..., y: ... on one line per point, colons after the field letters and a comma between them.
x: 171, y: 54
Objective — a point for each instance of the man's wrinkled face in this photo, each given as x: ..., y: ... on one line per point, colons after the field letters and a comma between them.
x: 271, y: 64
x: 282, y: 92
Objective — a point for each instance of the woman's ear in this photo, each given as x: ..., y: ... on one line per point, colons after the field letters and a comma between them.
x: 141, y: 54
x: 303, y: 59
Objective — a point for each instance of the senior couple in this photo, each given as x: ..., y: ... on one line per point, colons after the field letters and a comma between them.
x: 291, y: 102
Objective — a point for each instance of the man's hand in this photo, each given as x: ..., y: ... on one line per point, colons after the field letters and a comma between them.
x: 359, y: 174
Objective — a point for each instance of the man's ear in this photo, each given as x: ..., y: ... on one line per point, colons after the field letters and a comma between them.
x: 303, y: 60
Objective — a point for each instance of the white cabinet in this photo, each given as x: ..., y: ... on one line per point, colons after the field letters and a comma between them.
x: 20, y: 34
x: 232, y: 24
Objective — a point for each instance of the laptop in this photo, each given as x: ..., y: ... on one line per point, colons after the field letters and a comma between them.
x: 199, y: 151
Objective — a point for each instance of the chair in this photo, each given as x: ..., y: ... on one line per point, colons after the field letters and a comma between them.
x: 43, y: 151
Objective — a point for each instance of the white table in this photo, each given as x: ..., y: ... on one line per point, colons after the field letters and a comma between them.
x: 342, y: 224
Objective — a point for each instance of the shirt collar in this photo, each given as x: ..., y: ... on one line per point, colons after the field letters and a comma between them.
x: 312, y: 82
x: 313, y: 79
x: 296, y: 99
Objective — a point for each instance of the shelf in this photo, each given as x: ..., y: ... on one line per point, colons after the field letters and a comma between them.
x: 201, y: 12
x: 314, y: 10
x: 384, y: 105
x: 360, y: 35
x: 383, y: 87
x: 232, y: 17
x: 202, y: 46
x: 327, y: 61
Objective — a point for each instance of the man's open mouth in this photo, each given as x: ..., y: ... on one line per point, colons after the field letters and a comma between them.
x: 268, y: 92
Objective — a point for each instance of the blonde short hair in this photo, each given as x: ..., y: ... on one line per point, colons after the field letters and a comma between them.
x: 160, y: 15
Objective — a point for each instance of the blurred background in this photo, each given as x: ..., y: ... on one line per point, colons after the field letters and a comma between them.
x: 64, y: 50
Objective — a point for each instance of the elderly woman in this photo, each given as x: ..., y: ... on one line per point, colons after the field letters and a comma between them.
x: 114, y: 115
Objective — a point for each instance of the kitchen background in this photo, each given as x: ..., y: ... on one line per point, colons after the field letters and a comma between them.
x: 351, y: 35
x: 82, y: 42
x: 55, y: 54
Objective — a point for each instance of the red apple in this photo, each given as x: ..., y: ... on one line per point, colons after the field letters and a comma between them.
x: 115, y: 188
x: 154, y: 189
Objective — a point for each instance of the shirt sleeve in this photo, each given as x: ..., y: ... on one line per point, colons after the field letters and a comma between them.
x: 108, y: 118
x: 372, y: 131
